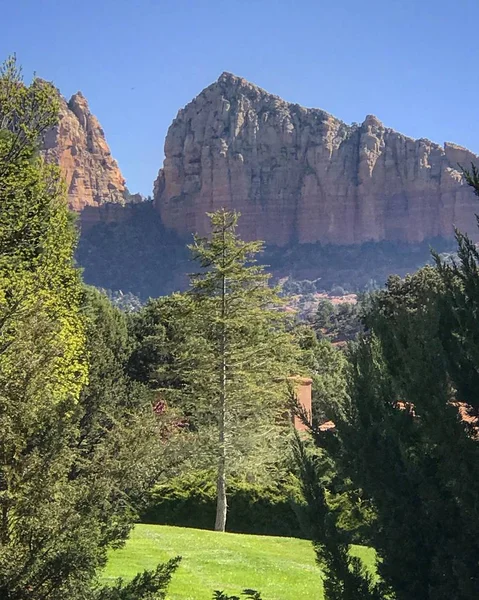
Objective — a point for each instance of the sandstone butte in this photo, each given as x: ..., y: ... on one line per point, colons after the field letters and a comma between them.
x: 300, y: 175
x: 78, y: 145
x: 297, y: 175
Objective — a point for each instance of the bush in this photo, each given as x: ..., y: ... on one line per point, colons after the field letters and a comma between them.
x: 190, y: 501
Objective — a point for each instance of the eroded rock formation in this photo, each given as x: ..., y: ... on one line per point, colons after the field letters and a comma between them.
x: 79, y: 146
x: 301, y: 175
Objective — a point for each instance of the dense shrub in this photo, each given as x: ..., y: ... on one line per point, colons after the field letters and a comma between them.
x: 253, y: 508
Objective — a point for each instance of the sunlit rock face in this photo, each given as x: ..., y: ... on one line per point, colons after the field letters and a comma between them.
x: 78, y: 145
x: 300, y: 175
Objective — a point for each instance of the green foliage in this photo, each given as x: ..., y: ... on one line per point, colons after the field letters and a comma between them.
x: 248, y: 353
x: 345, y: 575
x: 291, y: 287
x: 327, y: 366
x: 128, y: 302
x: 459, y: 306
x: 25, y: 113
x: 119, y: 447
x: 69, y: 452
x: 338, y: 323
x: 400, y: 439
x: 148, y: 585
x: 220, y: 355
x: 406, y: 436
x: 42, y: 363
x: 159, y: 328
x: 252, y: 594
x: 189, y: 501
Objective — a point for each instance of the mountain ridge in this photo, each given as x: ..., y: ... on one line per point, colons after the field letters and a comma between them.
x: 287, y: 190
x: 301, y: 174
x: 343, y: 203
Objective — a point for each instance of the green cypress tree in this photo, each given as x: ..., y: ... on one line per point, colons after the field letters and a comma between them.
x: 401, y: 439
x: 42, y: 361
x: 345, y: 577
x: 407, y: 434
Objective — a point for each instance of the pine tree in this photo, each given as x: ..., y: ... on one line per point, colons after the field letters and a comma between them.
x: 237, y: 355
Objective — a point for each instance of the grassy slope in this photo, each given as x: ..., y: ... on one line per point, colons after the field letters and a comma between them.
x: 281, y: 568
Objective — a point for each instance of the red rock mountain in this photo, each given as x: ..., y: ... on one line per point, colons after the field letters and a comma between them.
x: 301, y: 175
x: 78, y: 145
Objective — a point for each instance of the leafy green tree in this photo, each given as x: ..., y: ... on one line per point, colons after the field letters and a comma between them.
x: 324, y: 315
x: 67, y: 482
x: 42, y: 363
x: 250, y: 352
x: 120, y: 447
x: 26, y: 113
x: 338, y: 323
x: 221, y: 355
x: 402, y: 439
x: 159, y: 331
x: 327, y: 367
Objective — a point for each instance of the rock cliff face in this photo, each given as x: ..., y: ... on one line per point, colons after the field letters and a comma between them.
x: 300, y: 175
x: 78, y: 145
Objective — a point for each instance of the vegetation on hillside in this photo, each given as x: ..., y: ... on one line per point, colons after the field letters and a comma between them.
x: 138, y: 255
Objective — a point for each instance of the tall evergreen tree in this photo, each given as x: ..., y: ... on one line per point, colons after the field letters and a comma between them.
x: 251, y: 352
x: 402, y: 437
x: 228, y: 368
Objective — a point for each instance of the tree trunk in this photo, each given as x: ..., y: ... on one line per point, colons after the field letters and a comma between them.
x: 221, y: 504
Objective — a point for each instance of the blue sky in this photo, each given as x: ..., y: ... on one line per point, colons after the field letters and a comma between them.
x: 412, y: 63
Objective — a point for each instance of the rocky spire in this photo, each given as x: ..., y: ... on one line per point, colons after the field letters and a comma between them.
x: 79, y: 146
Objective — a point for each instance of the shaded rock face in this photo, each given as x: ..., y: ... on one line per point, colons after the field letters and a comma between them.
x: 78, y: 145
x: 300, y: 175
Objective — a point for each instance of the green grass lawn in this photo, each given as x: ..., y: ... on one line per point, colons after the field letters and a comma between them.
x: 281, y: 568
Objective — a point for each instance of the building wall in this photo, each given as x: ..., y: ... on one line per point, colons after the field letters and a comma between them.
x: 303, y: 393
